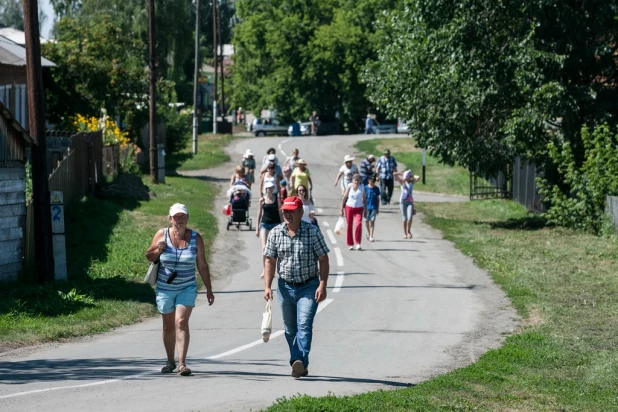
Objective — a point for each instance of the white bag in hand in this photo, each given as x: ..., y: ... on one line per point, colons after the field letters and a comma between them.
x: 340, y: 226
x: 267, y: 322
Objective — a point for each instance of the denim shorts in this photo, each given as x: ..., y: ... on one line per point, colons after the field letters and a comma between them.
x: 371, y: 215
x: 168, y: 300
x: 268, y: 226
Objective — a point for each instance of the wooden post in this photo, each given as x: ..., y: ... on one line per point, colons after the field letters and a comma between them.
x: 216, y: 60
x: 43, y: 249
x: 196, y: 73
x: 222, y: 57
x: 152, y: 129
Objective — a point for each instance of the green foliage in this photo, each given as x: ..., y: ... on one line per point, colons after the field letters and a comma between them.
x: 98, y: 66
x: 299, y: 56
x: 481, y: 80
x: 579, y: 202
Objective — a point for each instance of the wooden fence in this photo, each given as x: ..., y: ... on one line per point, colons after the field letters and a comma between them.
x: 612, y: 209
x: 524, y: 186
x: 76, y: 176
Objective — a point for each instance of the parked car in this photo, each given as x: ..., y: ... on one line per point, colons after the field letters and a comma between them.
x: 387, y: 128
x: 305, y: 129
x: 402, y: 127
x: 262, y: 127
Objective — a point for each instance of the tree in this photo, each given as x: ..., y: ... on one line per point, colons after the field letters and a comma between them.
x: 299, y: 56
x: 12, y: 14
x: 486, y: 81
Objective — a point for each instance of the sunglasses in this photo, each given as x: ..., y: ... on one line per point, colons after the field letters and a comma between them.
x: 301, y: 190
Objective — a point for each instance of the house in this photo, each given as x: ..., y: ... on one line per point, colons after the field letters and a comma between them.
x: 13, y: 78
x: 13, y: 142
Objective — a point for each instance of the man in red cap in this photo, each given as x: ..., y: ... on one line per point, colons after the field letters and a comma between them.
x: 299, y: 251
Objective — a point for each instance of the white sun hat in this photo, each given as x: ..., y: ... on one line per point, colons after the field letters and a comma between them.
x: 348, y: 158
x: 178, y: 208
x: 248, y: 153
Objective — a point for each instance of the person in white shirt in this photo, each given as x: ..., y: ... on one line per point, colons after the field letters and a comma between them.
x: 354, y: 204
x: 346, y: 172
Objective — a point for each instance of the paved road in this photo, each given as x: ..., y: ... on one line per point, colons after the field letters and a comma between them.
x: 397, y: 313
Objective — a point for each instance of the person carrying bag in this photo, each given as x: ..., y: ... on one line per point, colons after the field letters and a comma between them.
x: 267, y: 322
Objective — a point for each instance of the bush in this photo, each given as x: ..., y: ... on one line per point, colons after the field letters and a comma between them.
x: 580, y: 202
x: 178, y: 128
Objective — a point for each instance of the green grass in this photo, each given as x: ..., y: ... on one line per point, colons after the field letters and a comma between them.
x: 565, y: 355
x: 106, y: 240
x: 209, y: 153
x: 440, y: 178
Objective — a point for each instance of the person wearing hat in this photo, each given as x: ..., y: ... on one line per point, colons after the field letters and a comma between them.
x: 346, y: 171
x: 270, y: 156
x: 385, y: 168
x: 366, y: 168
x: 178, y: 249
x: 268, y: 215
x: 290, y: 164
x: 301, y: 177
x: 248, y: 162
x: 407, y: 180
x: 299, y: 252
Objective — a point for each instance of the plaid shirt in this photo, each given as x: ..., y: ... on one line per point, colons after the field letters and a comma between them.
x: 297, y: 257
x: 387, y: 167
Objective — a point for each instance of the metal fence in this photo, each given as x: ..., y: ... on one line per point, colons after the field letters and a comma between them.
x: 612, y: 209
x: 524, y: 186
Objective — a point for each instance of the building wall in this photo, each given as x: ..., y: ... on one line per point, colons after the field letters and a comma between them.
x: 12, y: 217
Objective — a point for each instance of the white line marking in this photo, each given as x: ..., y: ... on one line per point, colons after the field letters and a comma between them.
x: 245, y: 347
x: 281, y: 147
x: 320, y: 210
x: 338, y: 282
x: 339, y: 257
x: 326, y: 224
x: 324, y: 304
x: 331, y: 237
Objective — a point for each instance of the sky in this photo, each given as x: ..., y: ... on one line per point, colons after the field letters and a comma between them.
x: 49, y: 23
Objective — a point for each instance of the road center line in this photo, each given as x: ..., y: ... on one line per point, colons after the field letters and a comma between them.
x: 320, y: 210
x: 245, y: 347
x: 331, y: 237
x: 326, y: 224
x: 339, y: 257
x: 338, y: 282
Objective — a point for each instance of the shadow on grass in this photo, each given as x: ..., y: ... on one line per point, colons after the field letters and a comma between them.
x: 174, y: 161
x: 88, y: 225
x: 532, y: 222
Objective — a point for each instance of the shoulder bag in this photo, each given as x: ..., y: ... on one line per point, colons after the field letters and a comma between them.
x: 153, y: 269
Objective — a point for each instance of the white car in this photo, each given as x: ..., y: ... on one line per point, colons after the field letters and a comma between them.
x: 402, y: 126
x: 305, y: 129
x: 384, y: 128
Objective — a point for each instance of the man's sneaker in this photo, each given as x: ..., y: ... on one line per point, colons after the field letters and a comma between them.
x: 305, y: 373
x: 298, y: 369
x: 358, y: 247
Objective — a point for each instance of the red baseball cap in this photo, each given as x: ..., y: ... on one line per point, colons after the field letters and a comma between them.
x: 292, y: 203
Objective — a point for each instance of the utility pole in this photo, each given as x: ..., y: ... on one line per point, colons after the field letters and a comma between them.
x: 153, y: 90
x: 220, y: 37
x: 214, y: 46
x: 197, y: 71
x: 43, y: 248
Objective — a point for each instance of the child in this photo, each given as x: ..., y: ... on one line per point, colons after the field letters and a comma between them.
x: 284, y: 190
x: 373, y: 206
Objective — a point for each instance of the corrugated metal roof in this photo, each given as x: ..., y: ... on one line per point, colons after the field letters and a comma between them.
x: 17, y: 36
x: 13, y: 54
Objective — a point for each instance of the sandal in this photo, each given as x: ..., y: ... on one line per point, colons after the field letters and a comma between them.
x: 183, y: 370
x: 169, y: 367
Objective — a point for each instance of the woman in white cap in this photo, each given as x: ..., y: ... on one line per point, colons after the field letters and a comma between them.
x: 268, y: 216
x: 178, y: 249
x: 346, y: 171
x: 406, y: 180
x: 270, y: 175
x: 248, y: 162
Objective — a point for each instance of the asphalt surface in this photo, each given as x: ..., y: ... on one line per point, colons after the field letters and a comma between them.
x: 397, y: 313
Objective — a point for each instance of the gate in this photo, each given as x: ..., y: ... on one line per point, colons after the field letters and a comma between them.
x: 496, y: 187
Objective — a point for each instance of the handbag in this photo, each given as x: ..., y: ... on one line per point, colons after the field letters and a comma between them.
x: 340, y: 226
x: 267, y: 322
x: 153, y: 270
x: 287, y: 168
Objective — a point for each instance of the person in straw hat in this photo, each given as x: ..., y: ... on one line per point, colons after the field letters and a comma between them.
x: 346, y: 172
x: 248, y: 162
x: 301, y: 176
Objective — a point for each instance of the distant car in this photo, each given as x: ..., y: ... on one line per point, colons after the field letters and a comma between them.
x: 305, y: 129
x: 402, y: 127
x: 261, y: 127
x: 387, y: 128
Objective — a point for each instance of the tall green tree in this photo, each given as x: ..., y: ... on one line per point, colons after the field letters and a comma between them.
x: 12, y: 14
x: 299, y: 56
x: 485, y: 81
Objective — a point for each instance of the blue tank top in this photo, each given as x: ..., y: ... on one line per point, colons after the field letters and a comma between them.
x: 181, y: 260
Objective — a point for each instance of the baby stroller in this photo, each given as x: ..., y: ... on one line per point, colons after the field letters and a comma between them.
x: 240, y: 200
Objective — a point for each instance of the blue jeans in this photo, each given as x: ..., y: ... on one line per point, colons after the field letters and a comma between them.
x: 298, y: 307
